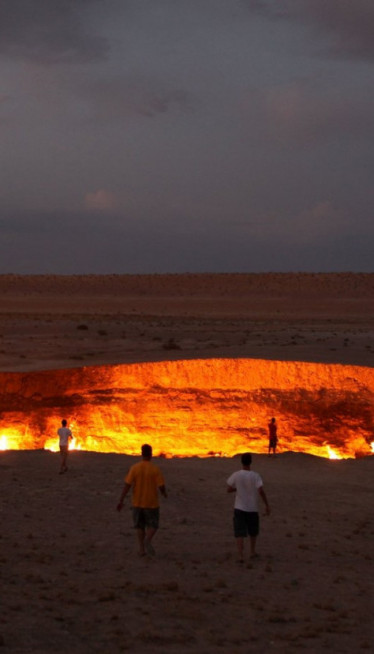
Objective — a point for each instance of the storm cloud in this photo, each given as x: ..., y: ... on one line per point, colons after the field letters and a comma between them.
x: 201, y: 135
x: 348, y: 26
x: 49, y: 32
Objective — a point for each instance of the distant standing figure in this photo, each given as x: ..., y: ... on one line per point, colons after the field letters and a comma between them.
x: 273, y: 437
x: 145, y: 479
x: 65, y: 436
x: 248, y: 486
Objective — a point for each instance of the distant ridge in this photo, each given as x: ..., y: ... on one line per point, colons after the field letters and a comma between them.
x: 345, y: 284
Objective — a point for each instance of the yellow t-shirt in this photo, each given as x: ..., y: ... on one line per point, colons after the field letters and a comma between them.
x: 145, y: 479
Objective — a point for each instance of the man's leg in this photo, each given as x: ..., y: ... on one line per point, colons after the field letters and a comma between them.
x: 253, y: 545
x: 139, y: 524
x: 152, y: 517
x: 63, y: 453
x: 147, y: 541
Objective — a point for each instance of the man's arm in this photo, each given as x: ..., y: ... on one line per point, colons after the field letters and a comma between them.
x: 162, y: 490
x: 264, y: 499
x: 230, y: 489
x: 126, y: 489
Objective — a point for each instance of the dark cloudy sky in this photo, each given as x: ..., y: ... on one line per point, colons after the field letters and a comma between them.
x: 158, y: 136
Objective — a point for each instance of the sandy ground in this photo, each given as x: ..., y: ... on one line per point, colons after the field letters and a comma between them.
x: 70, y: 576
x: 71, y: 579
x: 64, y: 322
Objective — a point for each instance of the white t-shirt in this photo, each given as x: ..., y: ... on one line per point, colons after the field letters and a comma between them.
x: 64, y: 434
x: 246, y: 483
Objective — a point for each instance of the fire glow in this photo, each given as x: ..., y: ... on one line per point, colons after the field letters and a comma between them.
x: 213, y: 407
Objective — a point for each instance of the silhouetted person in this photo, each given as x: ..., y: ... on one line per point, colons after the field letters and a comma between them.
x: 65, y: 436
x: 145, y: 479
x: 248, y: 486
x: 273, y: 437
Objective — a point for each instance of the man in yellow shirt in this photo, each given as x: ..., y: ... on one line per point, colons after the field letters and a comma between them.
x: 145, y: 479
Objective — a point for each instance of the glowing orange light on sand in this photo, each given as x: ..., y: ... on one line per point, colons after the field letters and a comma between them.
x: 215, y: 407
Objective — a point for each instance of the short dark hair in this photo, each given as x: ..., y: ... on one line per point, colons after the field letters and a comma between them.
x: 146, y: 450
x: 63, y: 422
x: 246, y: 459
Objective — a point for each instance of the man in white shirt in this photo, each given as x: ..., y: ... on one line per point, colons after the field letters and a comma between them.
x: 64, y: 435
x: 248, y: 486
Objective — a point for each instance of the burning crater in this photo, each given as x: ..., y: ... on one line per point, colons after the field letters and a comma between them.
x: 193, y: 408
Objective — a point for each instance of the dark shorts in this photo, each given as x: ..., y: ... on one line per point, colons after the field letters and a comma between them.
x: 273, y: 442
x: 64, y: 449
x: 145, y: 517
x: 246, y: 523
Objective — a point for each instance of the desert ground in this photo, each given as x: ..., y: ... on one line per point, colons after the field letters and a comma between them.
x: 71, y: 579
x: 64, y: 322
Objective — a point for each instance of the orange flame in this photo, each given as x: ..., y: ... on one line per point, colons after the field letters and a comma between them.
x: 215, y: 407
x: 332, y: 454
x: 10, y: 438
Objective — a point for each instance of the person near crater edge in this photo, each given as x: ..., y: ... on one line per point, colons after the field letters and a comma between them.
x: 146, y: 480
